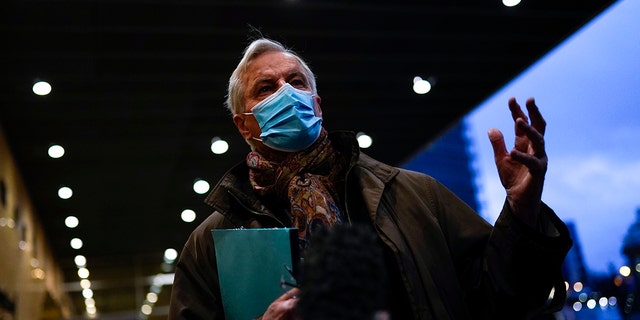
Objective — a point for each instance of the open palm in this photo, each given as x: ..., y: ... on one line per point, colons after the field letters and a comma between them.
x: 522, y: 169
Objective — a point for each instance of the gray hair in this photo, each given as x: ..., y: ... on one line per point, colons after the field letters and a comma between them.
x: 258, y: 47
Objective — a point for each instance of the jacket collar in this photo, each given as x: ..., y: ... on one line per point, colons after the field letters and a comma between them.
x: 235, y: 189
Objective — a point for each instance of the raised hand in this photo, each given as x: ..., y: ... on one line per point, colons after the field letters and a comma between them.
x: 523, y: 169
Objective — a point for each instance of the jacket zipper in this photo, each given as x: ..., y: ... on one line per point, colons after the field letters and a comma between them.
x: 253, y: 211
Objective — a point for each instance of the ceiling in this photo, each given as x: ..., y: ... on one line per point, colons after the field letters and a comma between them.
x: 138, y: 91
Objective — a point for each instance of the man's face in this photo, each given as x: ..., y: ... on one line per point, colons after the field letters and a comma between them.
x: 264, y: 76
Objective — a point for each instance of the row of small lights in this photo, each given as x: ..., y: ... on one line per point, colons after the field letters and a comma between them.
x: 170, y: 255
x: 72, y: 222
x: 55, y: 152
x: 218, y: 146
x: 583, y: 298
x: 603, y: 302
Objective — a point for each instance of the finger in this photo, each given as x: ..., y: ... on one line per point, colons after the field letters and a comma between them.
x: 535, y: 138
x: 534, y: 164
x: 516, y: 111
x: 497, y: 142
x: 294, y: 292
x: 537, y: 121
x: 291, y: 294
x: 289, y: 305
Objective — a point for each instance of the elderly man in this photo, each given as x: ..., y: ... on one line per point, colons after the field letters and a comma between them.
x: 443, y: 260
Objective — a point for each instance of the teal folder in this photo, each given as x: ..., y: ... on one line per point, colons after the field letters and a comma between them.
x: 251, y: 264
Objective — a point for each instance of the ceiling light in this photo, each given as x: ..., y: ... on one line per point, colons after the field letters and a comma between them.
x: 76, y: 243
x: 152, y: 297
x: 85, y: 284
x: 83, y: 273
x: 71, y: 222
x: 146, y: 309
x: 89, y: 302
x: 80, y: 260
x: 364, y: 141
x: 91, y: 311
x: 87, y: 293
x: 65, y: 193
x: 219, y: 146
x: 421, y: 86
x: 56, y: 151
x: 170, y: 255
x: 200, y: 186
x: 510, y: 3
x: 41, y: 88
x: 188, y: 215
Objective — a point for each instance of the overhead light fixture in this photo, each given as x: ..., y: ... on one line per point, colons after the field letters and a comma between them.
x: 87, y: 293
x: 152, y: 297
x: 65, y: 193
x: 421, y: 86
x: 200, y: 186
x: 188, y: 215
x: 71, y: 222
x: 76, y: 243
x: 83, y: 273
x: 364, y: 140
x: 170, y: 255
x: 510, y: 3
x: 56, y: 151
x: 80, y: 261
x: 41, y: 88
x: 219, y: 146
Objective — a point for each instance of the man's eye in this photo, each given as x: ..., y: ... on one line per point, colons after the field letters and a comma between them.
x: 298, y: 83
x: 264, y: 89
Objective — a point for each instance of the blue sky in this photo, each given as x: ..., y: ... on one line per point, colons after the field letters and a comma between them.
x: 588, y: 90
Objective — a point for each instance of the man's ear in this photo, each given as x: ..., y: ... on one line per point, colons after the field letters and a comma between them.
x: 239, y: 121
x: 316, y: 106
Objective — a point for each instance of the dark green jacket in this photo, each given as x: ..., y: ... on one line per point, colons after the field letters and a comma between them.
x: 452, y: 263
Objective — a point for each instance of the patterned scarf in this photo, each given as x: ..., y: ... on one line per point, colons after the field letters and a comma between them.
x: 305, y: 180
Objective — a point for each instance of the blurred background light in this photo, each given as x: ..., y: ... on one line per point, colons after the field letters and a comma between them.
x: 76, y: 243
x: 55, y: 151
x: 71, y: 222
x: 201, y: 186
x: 41, y: 88
x: 364, y: 140
x: 421, y: 86
x: 188, y: 215
x: 65, y: 193
x: 219, y: 146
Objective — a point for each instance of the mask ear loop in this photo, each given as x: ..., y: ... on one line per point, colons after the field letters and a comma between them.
x: 251, y: 114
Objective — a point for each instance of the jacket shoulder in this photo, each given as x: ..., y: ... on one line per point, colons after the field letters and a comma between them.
x: 386, y: 172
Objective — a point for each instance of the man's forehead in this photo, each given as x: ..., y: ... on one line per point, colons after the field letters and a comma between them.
x: 272, y: 62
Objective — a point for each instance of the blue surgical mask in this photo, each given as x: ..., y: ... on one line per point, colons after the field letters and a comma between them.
x: 287, y: 119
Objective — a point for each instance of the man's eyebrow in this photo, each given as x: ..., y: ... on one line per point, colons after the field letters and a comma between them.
x: 297, y: 73
x: 260, y: 81
x: 263, y: 80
